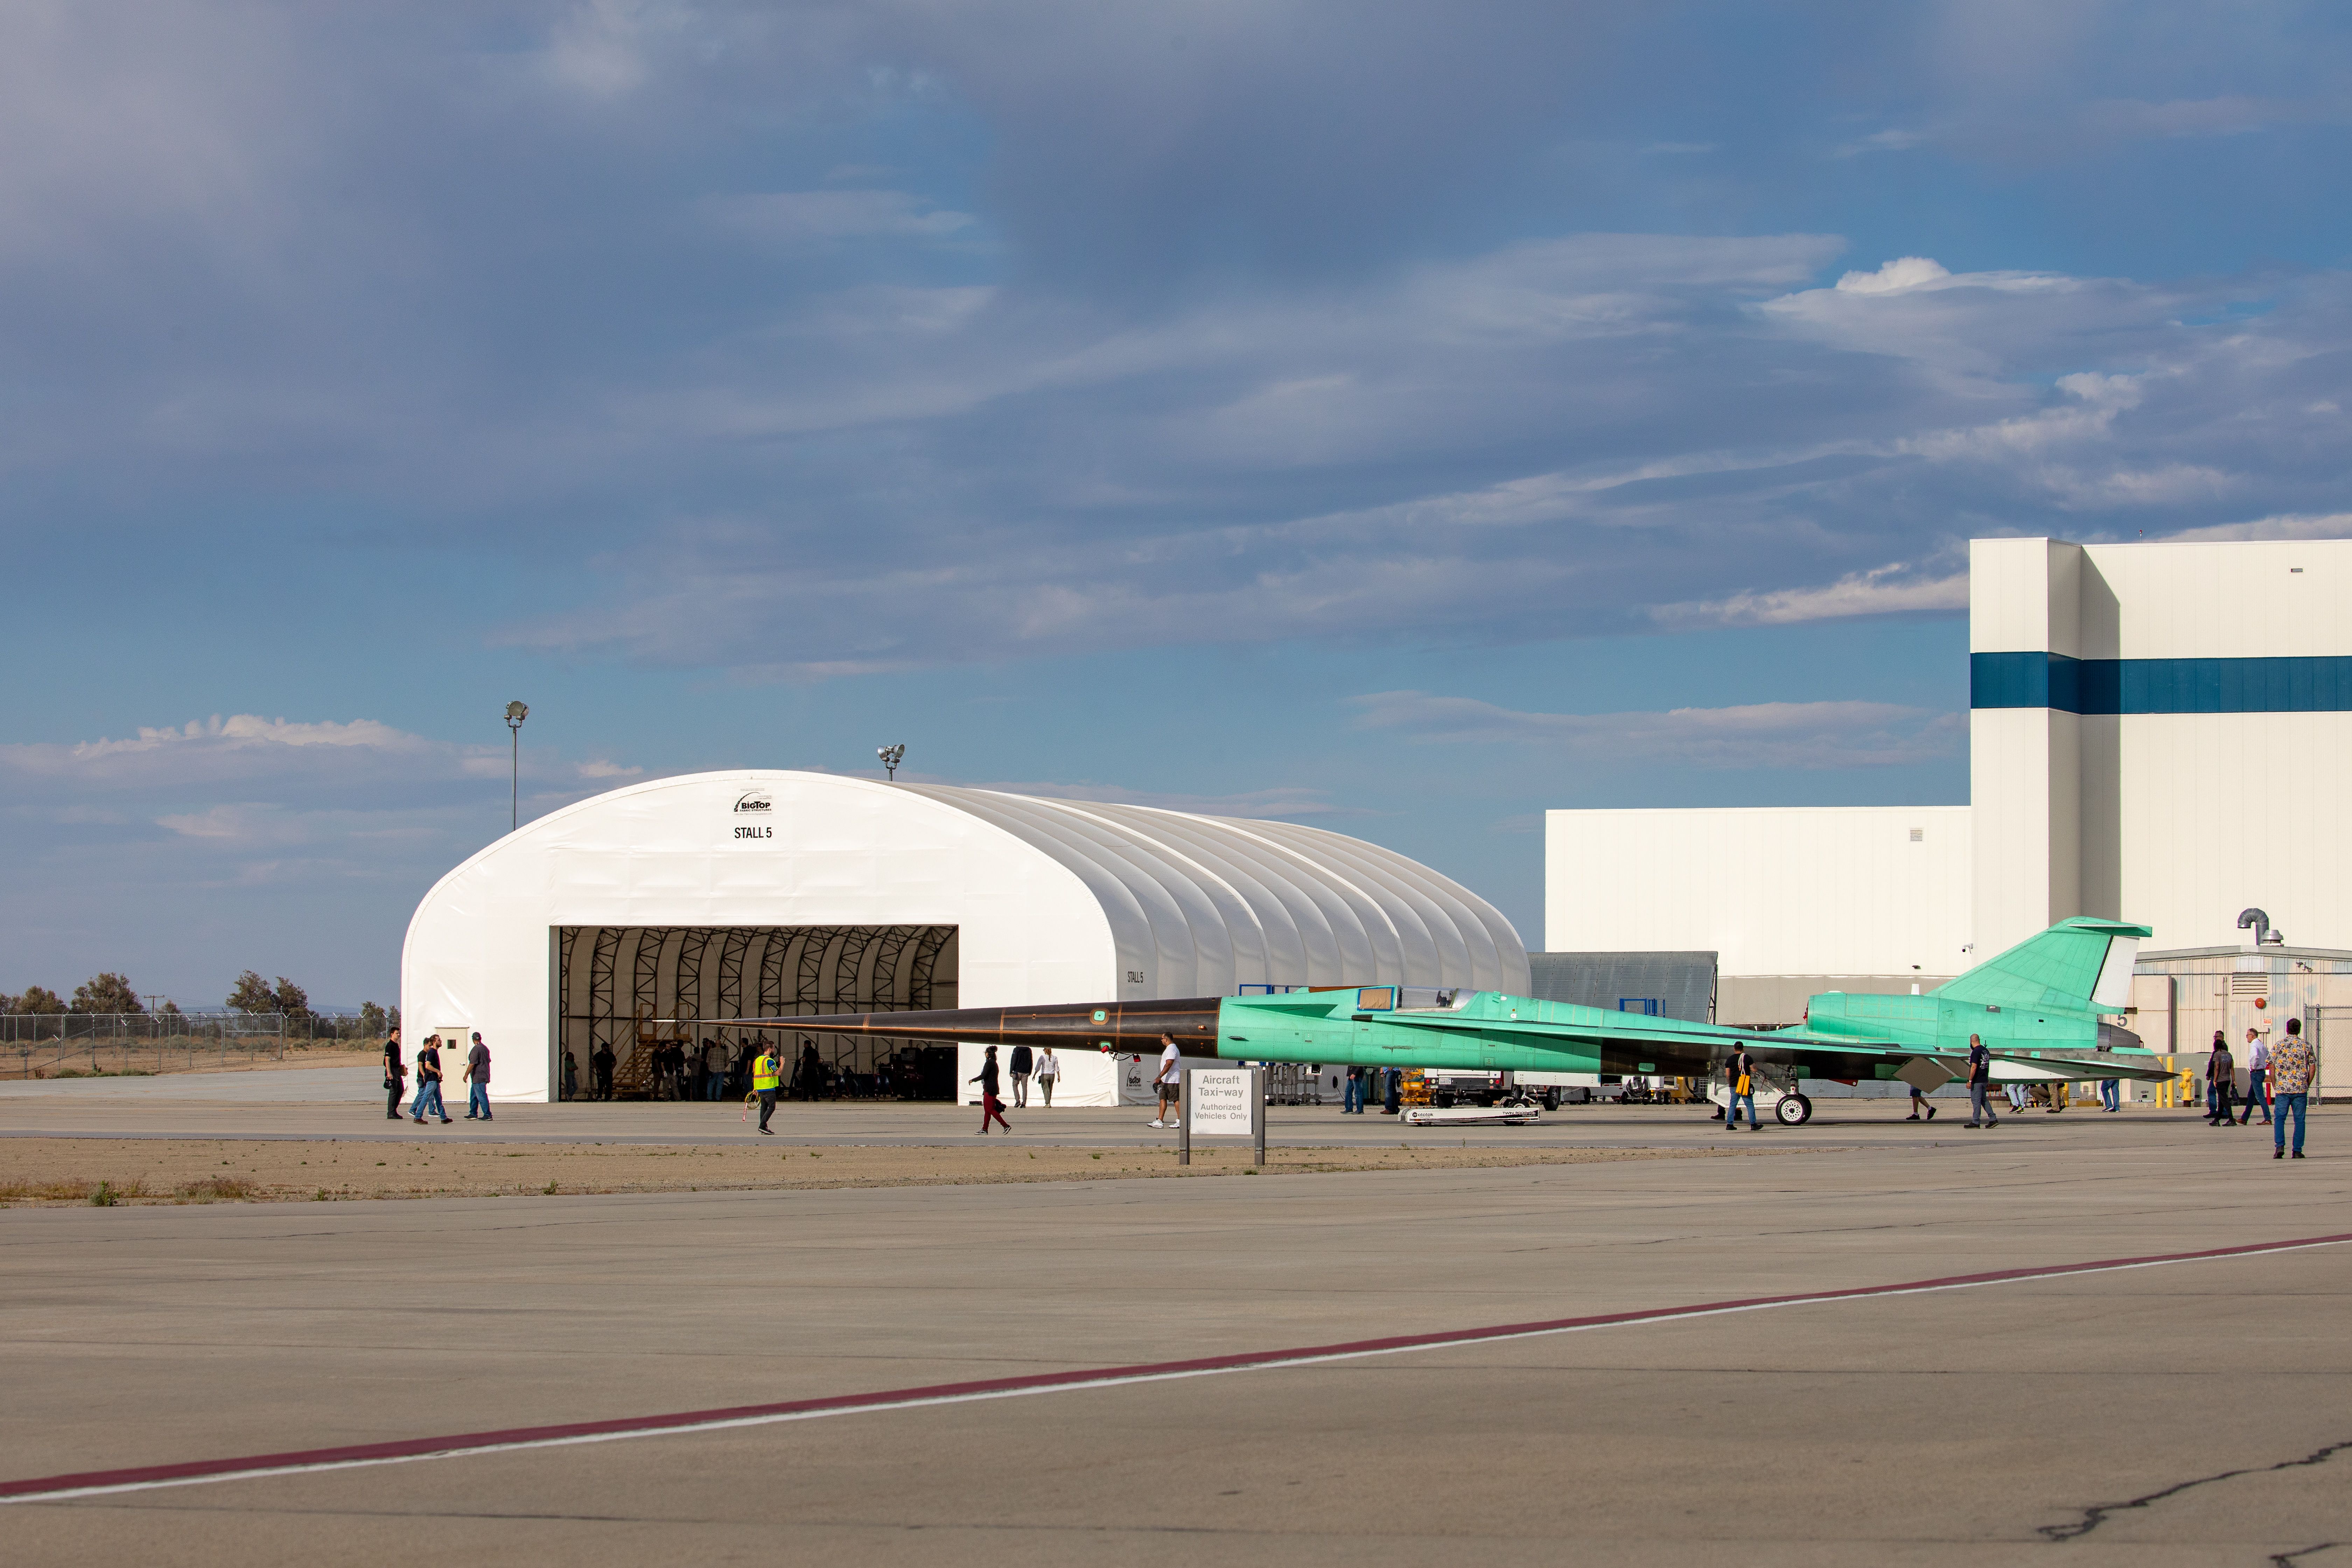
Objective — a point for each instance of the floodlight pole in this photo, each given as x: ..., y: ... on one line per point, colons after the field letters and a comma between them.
x: 891, y: 756
x: 516, y: 713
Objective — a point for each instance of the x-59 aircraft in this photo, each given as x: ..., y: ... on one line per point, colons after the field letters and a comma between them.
x: 2037, y: 1008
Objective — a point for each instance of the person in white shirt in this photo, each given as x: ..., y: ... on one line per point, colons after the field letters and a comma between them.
x: 2258, y: 1068
x: 1169, y: 1083
x: 1049, y: 1069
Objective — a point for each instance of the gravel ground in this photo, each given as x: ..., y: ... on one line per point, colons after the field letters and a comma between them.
x: 52, y: 1171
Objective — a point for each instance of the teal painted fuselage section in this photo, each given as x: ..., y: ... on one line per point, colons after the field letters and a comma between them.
x: 1490, y: 1031
x: 1850, y: 1037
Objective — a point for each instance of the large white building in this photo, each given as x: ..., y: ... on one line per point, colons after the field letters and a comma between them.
x: 2157, y: 733
x: 750, y: 894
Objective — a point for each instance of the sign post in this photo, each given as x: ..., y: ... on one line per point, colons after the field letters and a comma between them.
x: 1222, y: 1103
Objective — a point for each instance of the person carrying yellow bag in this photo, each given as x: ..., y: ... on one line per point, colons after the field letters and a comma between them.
x: 1743, y: 1093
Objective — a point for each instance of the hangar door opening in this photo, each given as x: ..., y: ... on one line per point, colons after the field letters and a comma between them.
x: 610, y: 983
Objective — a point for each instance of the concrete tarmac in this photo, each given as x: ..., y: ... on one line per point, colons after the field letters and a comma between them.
x: 1989, y: 1425
x: 334, y: 1104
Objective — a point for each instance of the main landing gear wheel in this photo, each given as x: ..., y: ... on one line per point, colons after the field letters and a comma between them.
x: 1794, y: 1111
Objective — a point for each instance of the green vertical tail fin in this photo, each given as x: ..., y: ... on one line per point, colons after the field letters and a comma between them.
x: 2081, y: 965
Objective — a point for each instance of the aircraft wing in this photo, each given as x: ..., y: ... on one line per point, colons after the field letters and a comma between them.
x: 1688, y: 1048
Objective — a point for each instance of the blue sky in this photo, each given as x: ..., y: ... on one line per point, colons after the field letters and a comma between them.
x: 1401, y: 419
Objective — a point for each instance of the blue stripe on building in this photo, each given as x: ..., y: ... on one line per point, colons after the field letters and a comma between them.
x: 2159, y: 685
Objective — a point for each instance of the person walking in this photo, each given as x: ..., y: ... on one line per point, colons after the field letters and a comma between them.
x: 2258, y: 1067
x: 1049, y: 1068
x: 1351, y: 1098
x: 1023, y: 1059
x: 600, y: 1072
x: 767, y: 1079
x: 2111, y: 1094
x: 1743, y: 1093
x: 2291, y: 1067
x: 428, y: 1081
x: 1980, y: 1083
x: 1169, y: 1081
x: 477, y: 1080
x: 1918, y: 1103
x: 2221, y: 1080
x: 395, y: 1074
x: 990, y: 1105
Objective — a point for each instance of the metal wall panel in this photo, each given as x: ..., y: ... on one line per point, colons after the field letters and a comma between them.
x: 1683, y: 984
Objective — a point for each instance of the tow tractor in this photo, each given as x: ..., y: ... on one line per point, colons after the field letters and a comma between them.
x: 1520, y: 1110
x: 1450, y: 1087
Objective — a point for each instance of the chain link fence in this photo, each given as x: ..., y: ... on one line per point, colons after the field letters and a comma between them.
x: 85, y: 1044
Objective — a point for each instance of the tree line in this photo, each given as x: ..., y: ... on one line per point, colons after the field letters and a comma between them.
x: 110, y: 991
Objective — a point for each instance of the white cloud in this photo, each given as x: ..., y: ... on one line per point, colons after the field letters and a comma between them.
x: 2322, y: 525
x: 246, y: 779
x: 819, y: 218
x: 2229, y: 115
x: 1609, y: 433
x: 1802, y: 736
x: 1894, y: 276
x: 1880, y: 591
x: 1889, y: 140
x: 599, y: 46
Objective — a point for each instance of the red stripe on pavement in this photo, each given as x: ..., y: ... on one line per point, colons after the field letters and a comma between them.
x: 192, y: 1471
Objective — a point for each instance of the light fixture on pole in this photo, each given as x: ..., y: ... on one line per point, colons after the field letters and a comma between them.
x: 516, y: 713
x: 891, y: 756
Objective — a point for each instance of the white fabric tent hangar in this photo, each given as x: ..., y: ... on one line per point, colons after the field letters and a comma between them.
x: 759, y: 893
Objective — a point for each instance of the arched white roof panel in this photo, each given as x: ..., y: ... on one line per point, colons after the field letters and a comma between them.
x: 1432, y: 940
x: 1339, y: 939
x: 1228, y: 937
x: 1054, y: 900
x: 1145, y: 903
x: 1293, y: 934
x: 1485, y: 937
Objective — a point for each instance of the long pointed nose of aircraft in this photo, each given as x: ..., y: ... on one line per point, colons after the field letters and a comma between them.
x: 1122, y: 1025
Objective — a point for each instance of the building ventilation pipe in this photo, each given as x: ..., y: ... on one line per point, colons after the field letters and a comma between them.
x: 2259, y: 922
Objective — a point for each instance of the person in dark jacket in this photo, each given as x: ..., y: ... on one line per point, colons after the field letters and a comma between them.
x: 2221, y: 1084
x: 428, y: 1081
x: 1980, y: 1084
x: 395, y: 1074
x: 1022, y: 1058
x: 1742, y: 1092
x: 990, y: 1105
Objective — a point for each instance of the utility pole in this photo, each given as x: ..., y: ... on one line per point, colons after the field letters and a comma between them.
x: 516, y: 713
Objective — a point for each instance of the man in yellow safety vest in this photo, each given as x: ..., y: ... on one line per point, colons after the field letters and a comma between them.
x: 767, y: 1074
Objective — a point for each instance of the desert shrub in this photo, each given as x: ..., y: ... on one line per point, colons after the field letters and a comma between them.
x: 217, y: 1190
